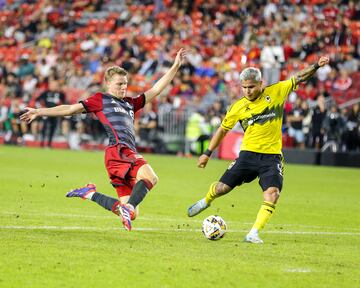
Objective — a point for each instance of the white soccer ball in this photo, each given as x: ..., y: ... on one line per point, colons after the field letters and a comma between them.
x: 214, y: 227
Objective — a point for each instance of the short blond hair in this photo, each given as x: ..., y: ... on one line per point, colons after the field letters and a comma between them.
x: 111, y: 71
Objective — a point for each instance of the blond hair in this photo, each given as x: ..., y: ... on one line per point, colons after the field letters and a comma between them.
x: 111, y: 71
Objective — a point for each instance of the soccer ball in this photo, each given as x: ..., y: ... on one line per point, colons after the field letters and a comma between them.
x: 214, y: 227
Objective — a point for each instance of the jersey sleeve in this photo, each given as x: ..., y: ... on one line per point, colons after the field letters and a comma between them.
x: 138, y: 102
x: 286, y: 87
x: 231, y: 118
x: 93, y: 103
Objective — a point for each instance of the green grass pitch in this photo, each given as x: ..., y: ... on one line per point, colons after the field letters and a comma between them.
x: 47, y: 240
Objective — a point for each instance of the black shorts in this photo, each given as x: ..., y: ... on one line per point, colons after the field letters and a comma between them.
x: 250, y: 165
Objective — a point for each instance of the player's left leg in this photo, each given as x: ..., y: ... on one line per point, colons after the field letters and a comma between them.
x: 90, y: 192
x: 236, y: 174
x: 216, y: 190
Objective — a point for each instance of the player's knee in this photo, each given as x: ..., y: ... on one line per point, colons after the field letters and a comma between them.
x: 272, y: 194
x: 222, y: 188
x: 150, y: 182
x: 154, y: 180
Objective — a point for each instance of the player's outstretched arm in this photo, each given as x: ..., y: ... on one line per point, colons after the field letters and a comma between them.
x: 307, y: 73
x: 61, y: 110
x: 167, y: 77
x: 214, y: 143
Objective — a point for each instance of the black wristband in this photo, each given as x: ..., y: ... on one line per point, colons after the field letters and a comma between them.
x: 207, y: 152
x: 316, y: 66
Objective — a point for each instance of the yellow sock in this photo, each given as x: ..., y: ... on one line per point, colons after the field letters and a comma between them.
x: 211, y: 194
x: 264, y: 214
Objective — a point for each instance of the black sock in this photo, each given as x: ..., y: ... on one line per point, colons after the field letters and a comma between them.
x: 105, y: 201
x: 139, y: 191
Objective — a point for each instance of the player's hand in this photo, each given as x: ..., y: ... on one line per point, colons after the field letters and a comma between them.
x: 180, y: 57
x: 30, y: 115
x: 203, y: 159
x: 323, y: 61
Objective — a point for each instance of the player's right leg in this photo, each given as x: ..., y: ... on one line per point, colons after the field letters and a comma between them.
x: 271, y: 180
x: 235, y: 175
x: 145, y: 180
x: 216, y: 190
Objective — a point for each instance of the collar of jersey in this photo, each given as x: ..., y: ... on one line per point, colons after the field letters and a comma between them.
x: 257, y: 98
x: 113, y: 97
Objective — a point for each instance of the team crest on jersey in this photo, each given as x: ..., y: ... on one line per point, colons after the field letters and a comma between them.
x: 268, y: 99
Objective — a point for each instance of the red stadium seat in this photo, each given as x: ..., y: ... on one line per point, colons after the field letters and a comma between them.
x: 288, y: 141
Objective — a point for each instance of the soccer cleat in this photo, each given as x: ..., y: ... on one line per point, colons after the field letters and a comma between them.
x: 126, y: 213
x: 82, y: 192
x: 132, y: 212
x: 253, y: 239
x: 197, y: 207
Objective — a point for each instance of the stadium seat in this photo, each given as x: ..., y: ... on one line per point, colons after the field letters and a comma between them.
x: 288, y: 141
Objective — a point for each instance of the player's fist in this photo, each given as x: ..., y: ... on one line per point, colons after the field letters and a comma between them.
x: 203, y: 159
x: 180, y: 57
x: 323, y: 61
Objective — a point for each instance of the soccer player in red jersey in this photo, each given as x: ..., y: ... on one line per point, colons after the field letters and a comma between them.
x: 129, y: 173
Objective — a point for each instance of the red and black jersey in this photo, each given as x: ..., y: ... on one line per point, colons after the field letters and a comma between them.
x: 116, y: 115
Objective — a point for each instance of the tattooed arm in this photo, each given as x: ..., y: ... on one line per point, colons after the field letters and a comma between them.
x: 307, y: 73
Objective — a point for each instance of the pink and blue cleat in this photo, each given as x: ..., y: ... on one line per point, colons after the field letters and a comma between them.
x: 127, y: 213
x: 82, y: 192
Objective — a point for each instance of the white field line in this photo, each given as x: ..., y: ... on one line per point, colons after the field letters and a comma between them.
x: 298, y: 270
x: 168, y: 219
x: 102, y: 229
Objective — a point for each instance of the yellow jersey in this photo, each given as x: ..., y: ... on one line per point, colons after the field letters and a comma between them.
x: 261, y: 118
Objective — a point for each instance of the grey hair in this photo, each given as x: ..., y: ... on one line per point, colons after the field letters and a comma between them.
x: 251, y: 73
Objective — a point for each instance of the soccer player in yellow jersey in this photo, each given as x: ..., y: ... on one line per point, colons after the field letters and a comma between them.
x: 260, y: 113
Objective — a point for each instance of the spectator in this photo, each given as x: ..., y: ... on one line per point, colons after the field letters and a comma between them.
x: 343, y: 82
x: 295, y: 122
x: 323, y: 72
x: 350, y: 64
x: 317, y: 119
x: 29, y: 87
x: 209, y: 98
x: 271, y: 59
x: 306, y: 122
x: 25, y: 67
x: 50, y: 98
x: 352, y: 130
x: 334, y: 127
x: 197, y: 132
x: 147, y: 126
x: 18, y: 128
x: 4, y: 120
x: 13, y: 85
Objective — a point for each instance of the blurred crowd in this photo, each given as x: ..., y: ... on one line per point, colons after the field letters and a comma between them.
x: 55, y: 52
